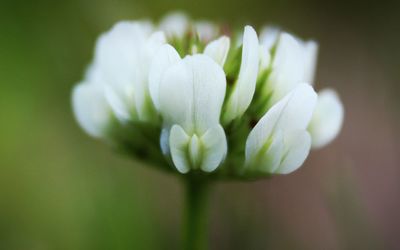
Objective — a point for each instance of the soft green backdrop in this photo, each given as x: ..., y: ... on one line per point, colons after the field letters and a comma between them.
x: 60, y: 189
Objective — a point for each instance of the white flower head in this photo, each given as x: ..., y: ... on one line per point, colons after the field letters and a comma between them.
x: 185, y: 97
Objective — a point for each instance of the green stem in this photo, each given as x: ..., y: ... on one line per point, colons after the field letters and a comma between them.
x: 196, y: 216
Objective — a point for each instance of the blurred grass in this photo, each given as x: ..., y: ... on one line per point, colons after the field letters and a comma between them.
x: 59, y: 189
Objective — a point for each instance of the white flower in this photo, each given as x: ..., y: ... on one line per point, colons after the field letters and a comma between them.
x: 327, y: 119
x: 176, y: 100
x: 90, y: 106
x: 190, y: 96
x: 123, y: 56
x: 280, y: 143
x: 243, y: 90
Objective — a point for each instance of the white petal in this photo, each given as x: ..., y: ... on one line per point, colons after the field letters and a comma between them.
x: 155, y: 40
x: 288, y: 67
x: 296, y: 109
x: 123, y: 55
x: 218, y: 49
x: 261, y: 134
x: 123, y: 105
x: 166, y: 55
x: 292, y: 113
x: 244, y: 88
x: 175, y: 24
x: 310, y: 55
x: 265, y: 57
x: 192, y: 92
x: 146, y: 55
x: 297, y: 148
x: 178, y: 142
x: 266, y: 156
x: 117, y: 51
x: 164, y: 140
x: 214, y: 148
x: 91, y: 109
x: 269, y: 36
x: 195, y: 151
x: 327, y: 119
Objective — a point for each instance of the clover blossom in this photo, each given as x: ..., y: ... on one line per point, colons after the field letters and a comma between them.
x: 184, y: 96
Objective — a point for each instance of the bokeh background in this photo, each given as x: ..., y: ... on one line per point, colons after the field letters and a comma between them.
x: 60, y: 189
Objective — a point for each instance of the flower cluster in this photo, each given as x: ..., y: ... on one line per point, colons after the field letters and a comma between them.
x: 185, y: 96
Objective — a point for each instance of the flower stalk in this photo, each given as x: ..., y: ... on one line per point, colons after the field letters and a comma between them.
x: 195, y: 214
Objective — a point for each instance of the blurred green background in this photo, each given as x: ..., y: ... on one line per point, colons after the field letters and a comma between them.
x: 60, y: 189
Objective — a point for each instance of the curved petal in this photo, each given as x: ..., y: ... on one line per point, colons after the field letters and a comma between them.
x: 244, y: 88
x: 117, y: 51
x: 297, y: 148
x: 164, y: 140
x: 310, y: 57
x: 178, y: 142
x: 123, y: 105
x: 292, y: 113
x: 327, y: 119
x: 265, y: 57
x: 296, y: 109
x: 218, y: 49
x: 269, y: 36
x: 287, y: 68
x: 91, y: 109
x: 214, y: 148
x: 195, y: 151
x: 192, y: 92
x: 145, y: 57
x: 114, y: 55
x: 265, y: 157
x: 166, y: 56
x: 123, y: 55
